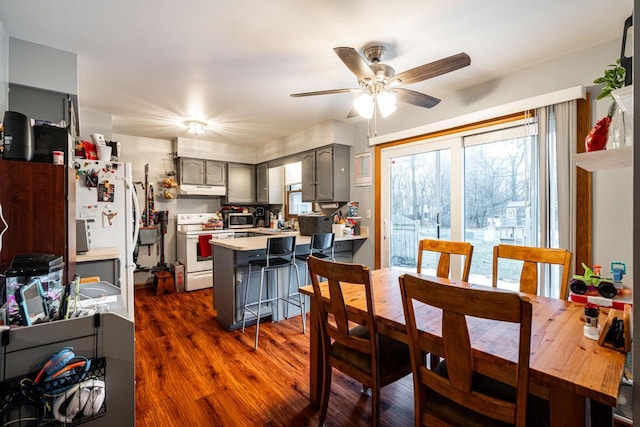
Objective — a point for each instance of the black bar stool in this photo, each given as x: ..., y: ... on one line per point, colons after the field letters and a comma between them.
x: 280, y: 254
x: 321, y: 243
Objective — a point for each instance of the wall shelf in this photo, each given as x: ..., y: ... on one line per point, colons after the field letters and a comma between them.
x: 605, y: 159
x: 624, y: 98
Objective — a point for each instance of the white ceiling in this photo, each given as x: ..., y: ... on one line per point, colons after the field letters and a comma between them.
x: 154, y: 63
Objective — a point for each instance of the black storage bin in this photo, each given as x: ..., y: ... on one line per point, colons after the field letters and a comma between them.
x: 49, y: 139
x: 311, y: 224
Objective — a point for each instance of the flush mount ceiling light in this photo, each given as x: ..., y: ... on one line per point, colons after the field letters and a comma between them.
x: 195, y: 127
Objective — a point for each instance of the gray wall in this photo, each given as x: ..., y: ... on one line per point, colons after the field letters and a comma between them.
x: 28, y: 60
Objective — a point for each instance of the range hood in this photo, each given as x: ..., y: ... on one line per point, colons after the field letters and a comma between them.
x: 201, y: 190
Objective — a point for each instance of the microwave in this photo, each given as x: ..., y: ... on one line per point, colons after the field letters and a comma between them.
x: 240, y: 220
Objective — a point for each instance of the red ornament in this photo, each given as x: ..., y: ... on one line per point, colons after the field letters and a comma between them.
x: 597, y: 138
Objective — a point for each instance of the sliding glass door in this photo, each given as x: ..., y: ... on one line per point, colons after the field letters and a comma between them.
x: 418, y: 202
x: 481, y: 187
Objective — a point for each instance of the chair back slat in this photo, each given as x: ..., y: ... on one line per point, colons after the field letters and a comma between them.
x: 457, y: 349
x: 446, y: 248
x: 531, y: 257
x: 339, y: 276
x: 458, y: 306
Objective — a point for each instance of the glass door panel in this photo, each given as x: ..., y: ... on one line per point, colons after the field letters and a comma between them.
x: 417, y: 201
x: 501, y: 201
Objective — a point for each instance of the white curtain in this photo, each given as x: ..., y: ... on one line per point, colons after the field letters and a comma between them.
x: 557, y: 144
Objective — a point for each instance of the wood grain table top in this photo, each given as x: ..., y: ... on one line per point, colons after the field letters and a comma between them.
x: 561, y: 356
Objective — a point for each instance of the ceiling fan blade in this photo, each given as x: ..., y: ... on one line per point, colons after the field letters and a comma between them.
x: 433, y: 69
x: 416, y: 98
x: 325, y: 92
x: 355, y: 63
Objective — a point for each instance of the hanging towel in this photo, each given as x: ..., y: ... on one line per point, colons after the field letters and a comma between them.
x: 204, y: 245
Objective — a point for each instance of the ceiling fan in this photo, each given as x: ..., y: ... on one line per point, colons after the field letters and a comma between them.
x: 380, y: 85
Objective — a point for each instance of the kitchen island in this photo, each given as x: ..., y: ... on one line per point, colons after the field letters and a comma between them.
x: 231, y: 266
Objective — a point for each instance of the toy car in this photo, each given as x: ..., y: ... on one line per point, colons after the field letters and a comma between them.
x: 592, y: 281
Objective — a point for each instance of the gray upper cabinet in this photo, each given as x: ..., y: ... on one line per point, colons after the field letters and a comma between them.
x: 191, y: 171
x: 308, y: 176
x: 262, y: 183
x: 269, y: 184
x: 215, y: 173
x: 325, y: 174
x: 241, y: 183
x: 42, y: 104
x: 202, y: 172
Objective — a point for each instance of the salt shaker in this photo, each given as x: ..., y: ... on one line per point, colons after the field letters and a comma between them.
x: 591, y: 328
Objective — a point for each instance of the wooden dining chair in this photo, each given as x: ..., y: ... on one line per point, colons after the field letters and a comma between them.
x: 532, y: 256
x: 358, y: 351
x: 446, y: 248
x: 454, y: 392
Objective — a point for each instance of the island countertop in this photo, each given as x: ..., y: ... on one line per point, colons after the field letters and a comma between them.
x: 260, y: 242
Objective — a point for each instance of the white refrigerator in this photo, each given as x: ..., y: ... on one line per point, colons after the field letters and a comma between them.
x: 106, y: 199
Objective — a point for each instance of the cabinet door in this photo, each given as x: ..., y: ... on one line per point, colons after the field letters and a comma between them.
x: 36, y: 205
x: 241, y: 187
x: 341, y: 174
x: 215, y: 173
x: 309, y: 176
x: 276, y: 185
x: 262, y: 183
x: 324, y: 174
x: 191, y: 171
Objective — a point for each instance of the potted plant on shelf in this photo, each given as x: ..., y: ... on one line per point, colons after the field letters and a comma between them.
x: 604, y: 129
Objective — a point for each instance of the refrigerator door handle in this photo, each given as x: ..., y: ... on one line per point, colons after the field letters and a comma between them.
x: 136, y: 212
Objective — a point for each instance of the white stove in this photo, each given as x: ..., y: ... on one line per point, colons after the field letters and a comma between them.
x: 194, y: 249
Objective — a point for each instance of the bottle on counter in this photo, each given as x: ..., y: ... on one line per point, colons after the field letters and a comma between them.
x: 591, y: 327
x: 272, y: 221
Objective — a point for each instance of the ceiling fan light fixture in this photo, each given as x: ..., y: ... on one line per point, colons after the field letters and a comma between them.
x: 364, y: 105
x: 195, y: 127
x: 386, y: 103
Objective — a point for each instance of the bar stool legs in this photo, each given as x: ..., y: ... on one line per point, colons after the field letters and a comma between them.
x: 300, y: 303
x: 303, y: 312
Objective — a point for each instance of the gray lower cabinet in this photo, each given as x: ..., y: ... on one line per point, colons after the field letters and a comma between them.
x: 107, y: 269
x: 231, y: 275
x: 343, y: 251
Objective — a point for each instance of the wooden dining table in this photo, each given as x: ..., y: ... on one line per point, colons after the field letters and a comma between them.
x: 568, y: 369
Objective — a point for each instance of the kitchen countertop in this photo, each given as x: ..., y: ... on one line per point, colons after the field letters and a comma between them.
x: 260, y: 242
x: 98, y: 254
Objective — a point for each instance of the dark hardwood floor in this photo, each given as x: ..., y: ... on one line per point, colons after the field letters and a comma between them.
x: 191, y: 372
